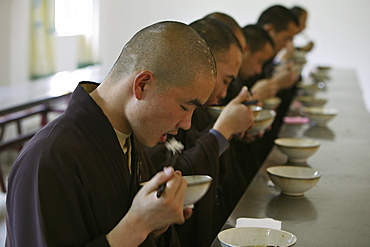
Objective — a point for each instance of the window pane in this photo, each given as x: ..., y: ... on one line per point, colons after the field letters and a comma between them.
x: 73, y: 17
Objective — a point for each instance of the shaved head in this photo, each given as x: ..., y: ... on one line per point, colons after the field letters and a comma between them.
x: 257, y: 37
x: 218, y: 36
x: 232, y: 24
x: 228, y: 20
x: 279, y: 16
x: 172, y: 51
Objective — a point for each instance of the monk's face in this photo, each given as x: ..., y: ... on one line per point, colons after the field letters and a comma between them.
x: 160, y: 112
x: 253, y: 61
x: 227, y: 71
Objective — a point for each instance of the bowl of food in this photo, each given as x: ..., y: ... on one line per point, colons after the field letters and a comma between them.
x: 320, y: 75
x: 271, y: 103
x: 264, y: 120
x: 215, y: 111
x: 297, y: 149
x: 255, y: 236
x: 323, y: 68
x: 198, y: 186
x: 256, y: 110
x: 310, y: 101
x: 320, y: 115
x: 309, y: 89
x: 299, y: 55
x: 293, y: 180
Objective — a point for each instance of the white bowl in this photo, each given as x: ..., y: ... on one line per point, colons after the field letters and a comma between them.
x: 216, y: 110
x: 198, y: 186
x: 299, y: 65
x: 309, y: 101
x: 271, y: 103
x: 264, y: 120
x: 255, y: 236
x: 293, y: 180
x: 320, y: 115
x: 299, y: 55
x: 323, y: 68
x: 309, y: 89
x: 297, y: 149
x: 321, y: 75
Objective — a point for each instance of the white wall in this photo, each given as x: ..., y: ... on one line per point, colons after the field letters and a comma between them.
x: 4, y: 41
x: 339, y: 29
x: 14, y: 30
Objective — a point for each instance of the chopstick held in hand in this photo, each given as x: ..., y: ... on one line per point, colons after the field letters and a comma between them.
x: 160, y: 190
x: 175, y: 147
x: 251, y: 102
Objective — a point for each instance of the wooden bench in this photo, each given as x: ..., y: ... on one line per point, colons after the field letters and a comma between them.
x: 17, y: 114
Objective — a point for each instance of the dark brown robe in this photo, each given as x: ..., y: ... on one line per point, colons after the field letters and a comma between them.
x: 71, y: 184
x: 200, y: 156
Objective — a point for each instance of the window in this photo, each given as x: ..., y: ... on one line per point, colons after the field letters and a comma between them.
x: 73, y: 17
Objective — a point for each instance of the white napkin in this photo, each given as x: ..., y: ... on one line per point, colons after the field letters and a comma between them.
x: 259, y: 222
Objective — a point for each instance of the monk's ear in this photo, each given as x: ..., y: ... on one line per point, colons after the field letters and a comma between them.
x: 247, y: 47
x: 141, y: 83
x: 268, y: 27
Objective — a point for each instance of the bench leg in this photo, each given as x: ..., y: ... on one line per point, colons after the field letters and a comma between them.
x: 2, y: 182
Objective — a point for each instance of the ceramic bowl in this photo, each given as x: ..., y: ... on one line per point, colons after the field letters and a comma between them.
x: 323, y: 68
x: 293, y: 180
x: 297, y: 149
x: 255, y: 236
x: 264, y: 120
x: 298, y: 67
x: 309, y: 89
x: 320, y: 75
x: 310, y: 101
x: 198, y: 186
x: 256, y: 110
x: 320, y: 115
x: 271, y: 103
x: 216, y: 110
x: 299, y: 55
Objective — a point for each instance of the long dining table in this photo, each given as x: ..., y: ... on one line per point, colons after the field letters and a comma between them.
x: 336, y: 212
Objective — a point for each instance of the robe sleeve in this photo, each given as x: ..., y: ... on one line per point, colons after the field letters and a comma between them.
x: 201, y: 158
